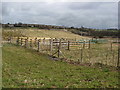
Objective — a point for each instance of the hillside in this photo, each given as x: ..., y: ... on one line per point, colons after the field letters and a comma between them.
x: 113, y: 32
x: 57, y: 33
x: 29, y: 69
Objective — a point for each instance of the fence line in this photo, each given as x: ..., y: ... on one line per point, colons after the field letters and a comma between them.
x: 53, y: 44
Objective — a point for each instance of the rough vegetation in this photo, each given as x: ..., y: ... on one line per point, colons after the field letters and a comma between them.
x: 26, y: 68
x: 23, y: 68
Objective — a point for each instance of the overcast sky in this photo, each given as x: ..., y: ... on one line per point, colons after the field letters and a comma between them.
x: 77, y: 14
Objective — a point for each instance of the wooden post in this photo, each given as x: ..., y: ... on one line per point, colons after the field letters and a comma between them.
x: 89, y: 53
x: 81, y: 55
x: 30, y: 42
x: 111, y: 46
x: 113, y: 56
x: 56, y: 40
x: 89, y: 44
x: 26, y: 43
x: 21, y: 41
x: 59, y: 47
x: 118, y: 62
x: 84, y: 44
x: 17, y: 41
x: 51, y: 45
x: 68, y: 45
x: 35, y: 41
x: 44, y: 41
x: 39, y: 47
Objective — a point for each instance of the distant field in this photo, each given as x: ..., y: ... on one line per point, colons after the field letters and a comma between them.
x: 98, y: 53
x: 24, y: 68
x: 43, y: 33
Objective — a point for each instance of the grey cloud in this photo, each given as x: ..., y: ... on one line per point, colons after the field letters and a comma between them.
x: 95, y: 15
x: 84, y: 5
x: 5, y: 10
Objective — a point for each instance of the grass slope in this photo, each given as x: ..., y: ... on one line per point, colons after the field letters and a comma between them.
x: 27, y: 68
x: 58, y: 33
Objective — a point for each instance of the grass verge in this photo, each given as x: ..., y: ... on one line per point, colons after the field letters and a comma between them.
x: 23, y: 68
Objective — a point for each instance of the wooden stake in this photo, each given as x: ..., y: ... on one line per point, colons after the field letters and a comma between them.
x: 84, y: 44
x: 44, y: 41
x: 81, y: 55
x: 35, y: 41
x: 113, y: 55
x: 26, y: 43
x: 51, y: 45
x: 21, y: 41
x: 89, y: 52
x: 59, y: 47
x: 39, y: 47
x: 111, y: 46
x: 17, y: 41
x: 30, y: 42
x: 118, y: 62
x: 68, y: 45
x: 89, y: 44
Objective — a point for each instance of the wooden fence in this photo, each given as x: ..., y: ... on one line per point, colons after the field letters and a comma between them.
x: 54, y: 46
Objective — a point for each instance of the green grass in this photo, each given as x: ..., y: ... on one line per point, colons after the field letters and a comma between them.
x: 30, y: 69
x: 98, y: 53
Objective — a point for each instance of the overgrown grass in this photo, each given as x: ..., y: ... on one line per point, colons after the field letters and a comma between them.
x: 43, y: 33
x: 30, y: 69
x: 98, y: 53
x: 11, y: 33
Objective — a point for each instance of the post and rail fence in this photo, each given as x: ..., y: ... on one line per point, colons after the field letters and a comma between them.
x: 53, y: 44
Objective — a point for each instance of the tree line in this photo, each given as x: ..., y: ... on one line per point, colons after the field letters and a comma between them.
x: 80, y: 31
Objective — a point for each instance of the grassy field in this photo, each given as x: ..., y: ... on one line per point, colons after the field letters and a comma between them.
x: 98, y: 53
x: 42, y: 33
x: 24, y: 68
